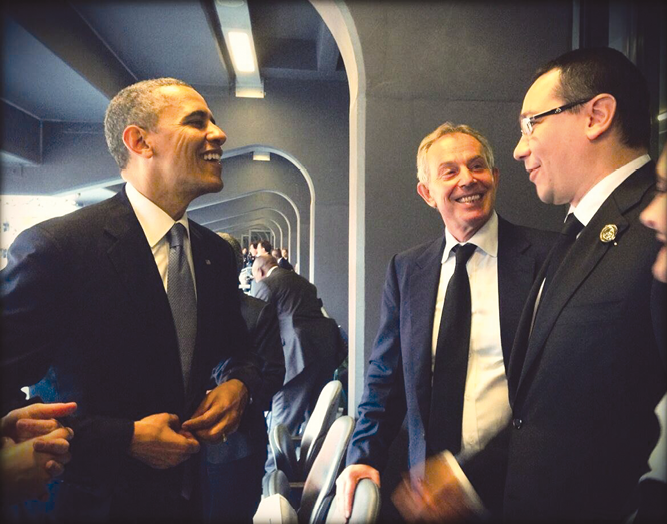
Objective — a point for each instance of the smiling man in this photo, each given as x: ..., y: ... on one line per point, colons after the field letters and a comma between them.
x: 449, y: 312
x: 585, y: 373
x: 125, y: 307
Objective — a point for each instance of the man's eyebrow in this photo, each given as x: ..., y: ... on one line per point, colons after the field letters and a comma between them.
x: 201, y: 114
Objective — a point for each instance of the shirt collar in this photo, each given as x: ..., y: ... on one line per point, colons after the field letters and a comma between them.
x: 270, y: 271
x: 596, y: 196
x: 486, y: 238
x: 153, y: 220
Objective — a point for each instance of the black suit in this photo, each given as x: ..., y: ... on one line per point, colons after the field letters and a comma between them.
x: 235, y: 468
x: 584, y: 388
x: 311, y: 342
x: 284, y: 263
x: 398, y: 379
x: 84, y: 305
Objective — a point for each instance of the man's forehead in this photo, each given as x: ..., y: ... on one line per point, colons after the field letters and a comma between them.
x: 453, y: 146
x: 542, y: 90
x: 182, y: 98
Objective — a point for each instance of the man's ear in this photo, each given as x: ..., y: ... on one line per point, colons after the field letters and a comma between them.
x: 601, y: 113
x: 135, y: 139
x: 424, y: 192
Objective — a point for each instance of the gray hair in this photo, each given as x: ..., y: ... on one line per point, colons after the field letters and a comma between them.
x: 138, y: 104
x: 447, y: 129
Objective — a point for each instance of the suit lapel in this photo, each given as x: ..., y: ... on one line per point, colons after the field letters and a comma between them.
x: 134, y: 264
x: 203, y: 265
x: 516, y: 267
x: 424, y: 280
x: 582, y: 259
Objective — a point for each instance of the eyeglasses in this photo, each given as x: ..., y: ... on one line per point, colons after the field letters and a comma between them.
x: 528, y: 122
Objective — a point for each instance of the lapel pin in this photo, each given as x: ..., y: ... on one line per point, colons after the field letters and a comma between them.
x: 208, y: 262
x: 608, y: 233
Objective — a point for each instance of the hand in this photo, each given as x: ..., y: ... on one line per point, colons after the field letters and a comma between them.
x: 28, y: 466
x: 219, y: 414
x: 438, y: 497
x: 347, y: 483
x: 160, y: 442
x: 34, y: 420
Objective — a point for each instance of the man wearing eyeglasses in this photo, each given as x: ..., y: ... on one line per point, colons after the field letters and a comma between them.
x: 584, y: 375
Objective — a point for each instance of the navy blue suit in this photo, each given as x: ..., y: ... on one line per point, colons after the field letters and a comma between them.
x: 398, y: 379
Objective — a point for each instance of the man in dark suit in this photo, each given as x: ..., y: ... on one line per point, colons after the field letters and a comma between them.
x: 87, y: 308
x: 234, y: 469
x: 282, y: 261
x: 458, y: 177
x: 585, y: 373
x: 312, y: 343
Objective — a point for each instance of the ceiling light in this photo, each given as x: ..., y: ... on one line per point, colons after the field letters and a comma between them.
x: 261, y: 156
x: 241, y: 51
x: 662, y: 116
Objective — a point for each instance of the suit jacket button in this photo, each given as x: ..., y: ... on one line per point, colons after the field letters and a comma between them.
x: 517, y: 423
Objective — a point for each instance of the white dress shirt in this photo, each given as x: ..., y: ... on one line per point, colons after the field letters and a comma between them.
x: 156, y: 224
x: 486, y: 408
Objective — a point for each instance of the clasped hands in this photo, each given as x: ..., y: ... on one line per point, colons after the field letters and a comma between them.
x: 35, y: 449
x: 162, y: 442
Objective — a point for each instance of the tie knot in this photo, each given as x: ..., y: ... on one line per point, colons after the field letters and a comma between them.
x: 572, y: 226
x: 463, y: 252
x: 176, y: 235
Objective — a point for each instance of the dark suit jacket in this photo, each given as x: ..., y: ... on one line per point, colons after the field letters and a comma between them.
x: 284, y: 263
x: 84, y: 304
x: 262, y: 321
x: 398, y: 380
x: 586, y: 387
x: 307, y: 335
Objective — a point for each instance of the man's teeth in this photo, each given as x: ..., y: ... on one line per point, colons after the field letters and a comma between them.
x: 469, y: 198
x: 212, y: 156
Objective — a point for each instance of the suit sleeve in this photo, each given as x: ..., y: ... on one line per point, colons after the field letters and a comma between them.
x: 37, y: 323
x: 261, y: 291
x: 383, y: 405
x: 239, y: 363
x: 267, y: 345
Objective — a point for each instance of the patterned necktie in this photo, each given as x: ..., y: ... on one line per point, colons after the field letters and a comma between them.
x: 451, y: 360
x: 181, y: 294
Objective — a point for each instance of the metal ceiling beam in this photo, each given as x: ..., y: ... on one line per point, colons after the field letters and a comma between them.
x: 327, y: 50
x: 216, y: 30
x: 62, y: 30
x: 24, y: 142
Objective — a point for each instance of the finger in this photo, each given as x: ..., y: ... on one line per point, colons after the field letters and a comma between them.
x: 52, y: 446
x: 55, y: 410
x: 204, y: 421
x: 27, y: 428
x: 348, y: 496
x: 54, y: 468
x: 6, y: 441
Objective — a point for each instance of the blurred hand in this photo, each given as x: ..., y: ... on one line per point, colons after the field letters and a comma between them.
x: 219, y: 414
x: 438, y: 497
x: 347, y: 483
x: 160, y: 442
x: 34, y: 420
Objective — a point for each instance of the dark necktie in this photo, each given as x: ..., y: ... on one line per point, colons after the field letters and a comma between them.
x: 567, y: 237
x: 451, y: 360
x: 181, y: 294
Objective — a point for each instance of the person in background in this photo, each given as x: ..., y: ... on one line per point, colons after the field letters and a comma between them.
x: 653, y: 485
x: 311, y: 342
x: 234, y: 468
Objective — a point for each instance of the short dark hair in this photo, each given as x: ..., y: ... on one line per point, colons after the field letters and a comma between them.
x: 585, y: 73
x: 266, y: 245
x: 236, y: 246
x: 137, y: 104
